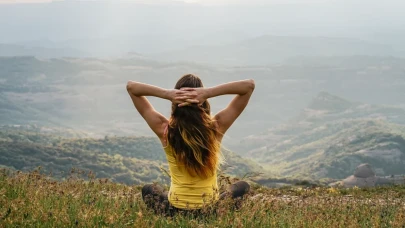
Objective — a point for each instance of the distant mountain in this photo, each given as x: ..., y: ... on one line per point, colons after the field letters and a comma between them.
x: 268, y: 49
x: 89, y: 94
x: 326, y: 107
x: 181, y: 22
x: 41, y: 52
x: 131, y: 160
x: 330, y: 138
x: 366, y: 62
x: 330, y: 103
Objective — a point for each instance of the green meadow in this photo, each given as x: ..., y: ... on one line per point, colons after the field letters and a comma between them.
x: 36, y: 200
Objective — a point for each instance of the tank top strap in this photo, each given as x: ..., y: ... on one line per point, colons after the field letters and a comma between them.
x: 165, y: 135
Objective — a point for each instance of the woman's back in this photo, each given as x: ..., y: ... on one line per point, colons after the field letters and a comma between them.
x: 192, y: 151
x: 191, y: 137
x: 189, y: 191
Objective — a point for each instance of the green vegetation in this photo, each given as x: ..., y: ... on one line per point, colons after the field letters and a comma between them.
x: 327, y: 140
x: 130, y: 160
x: 330, y: 138
x: 335, y: 150
x: 89, y: 94
x: 31, y: 199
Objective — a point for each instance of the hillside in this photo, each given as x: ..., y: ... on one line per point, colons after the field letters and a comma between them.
x: 130, y: 160
x: 267, y: 49
x: 89, y: 94
x: 30, y: 199
x: 330, y: 138
x: 41, y: 52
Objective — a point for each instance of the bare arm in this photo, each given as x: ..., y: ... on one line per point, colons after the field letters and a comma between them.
x: 138, y: 92
x: 243, y: 90
x: 225, y: 118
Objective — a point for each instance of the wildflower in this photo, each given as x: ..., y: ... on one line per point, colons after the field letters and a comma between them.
x: 332, y: 190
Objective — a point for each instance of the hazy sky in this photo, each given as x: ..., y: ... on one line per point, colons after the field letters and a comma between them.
x: 204, y: 2
x: 120, y: 21
x: 23, y: 1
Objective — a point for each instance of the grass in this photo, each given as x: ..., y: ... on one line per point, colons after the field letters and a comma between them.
x: 35, y: 200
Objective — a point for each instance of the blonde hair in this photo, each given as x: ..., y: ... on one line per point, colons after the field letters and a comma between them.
x: 192, y: 134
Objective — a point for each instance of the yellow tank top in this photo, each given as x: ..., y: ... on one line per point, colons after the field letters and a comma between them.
x: 188, y: 192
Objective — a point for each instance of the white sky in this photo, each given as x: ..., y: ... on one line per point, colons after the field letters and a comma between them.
x: 203, y: 2
x: 22, y: 1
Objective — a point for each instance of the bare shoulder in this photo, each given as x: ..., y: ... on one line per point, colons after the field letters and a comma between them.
x: 217, y: 128
x: 163, y: 135
x: 163, y: 128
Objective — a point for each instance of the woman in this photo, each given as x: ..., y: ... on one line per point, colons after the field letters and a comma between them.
x: 191, y: 139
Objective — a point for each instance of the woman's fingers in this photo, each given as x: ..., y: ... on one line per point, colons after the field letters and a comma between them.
x: 187, y: 89
x: 185, y: 96
x: 194, y: 101
x: 180, y: 92
x: 183, y: 104
x: 188, y: 102
x: 182, y: 98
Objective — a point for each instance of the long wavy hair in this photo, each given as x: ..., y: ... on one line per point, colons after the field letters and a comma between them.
x: 192, y: 134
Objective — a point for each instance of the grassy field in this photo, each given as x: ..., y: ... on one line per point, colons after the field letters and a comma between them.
x: 35, y: 200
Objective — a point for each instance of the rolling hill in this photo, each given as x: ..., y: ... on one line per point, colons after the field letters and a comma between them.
x: 330, y: 138
x: 130, y: 160
x: 41, y: 52
x: 268, y: 49
x: 89, y: 94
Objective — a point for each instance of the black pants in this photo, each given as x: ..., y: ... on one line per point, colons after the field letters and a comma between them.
x: 156, y: 197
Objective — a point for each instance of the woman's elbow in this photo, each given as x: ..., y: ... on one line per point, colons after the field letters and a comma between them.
x: 251, y: 84
x: 130, y: 85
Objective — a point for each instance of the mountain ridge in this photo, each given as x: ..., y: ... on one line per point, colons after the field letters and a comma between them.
x: 131, y: 160
x: 326, y: 137
x: 270, y: 49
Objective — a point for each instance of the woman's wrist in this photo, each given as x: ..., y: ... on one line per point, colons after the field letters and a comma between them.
x: 169, y: 94
x: 208, y: 92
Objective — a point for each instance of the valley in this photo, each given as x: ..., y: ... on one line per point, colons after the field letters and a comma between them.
x: 310, y: 118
